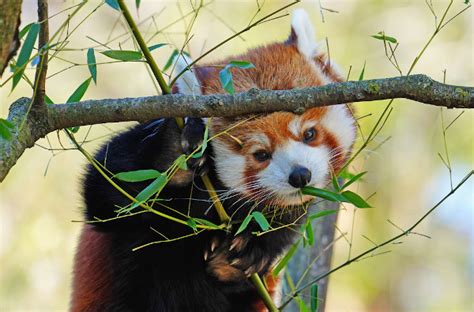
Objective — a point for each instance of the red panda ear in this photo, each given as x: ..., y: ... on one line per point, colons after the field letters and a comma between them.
x: 302, y: 33
x: 187, y: 83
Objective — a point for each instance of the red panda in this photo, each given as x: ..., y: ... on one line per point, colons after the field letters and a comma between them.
x: 256, y: 163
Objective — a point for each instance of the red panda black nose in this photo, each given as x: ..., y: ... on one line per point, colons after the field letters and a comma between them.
x: 299, y: 177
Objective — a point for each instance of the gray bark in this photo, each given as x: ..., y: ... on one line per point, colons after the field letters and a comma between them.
x: 42, y: 120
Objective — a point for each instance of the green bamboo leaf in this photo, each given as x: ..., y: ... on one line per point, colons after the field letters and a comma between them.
x: 284, y: 261
x: 137, y: 3
x: 156, y: 46
x: 346, y: 175
x: 25, y: 53
x: 113, y: 4
x: 361, y: 76
x: 381, y: 36
x: 225, y: 76
x: 153, y: 188
x: 24, y: 30
x: 314, y: 297
x: 48, y: 100
x: 309, y: 233
x: 261, y: 220
x: 302, y: 305
x: 192, y: 224
x: 91, y: 63
x: 335, y: 183
x: 181, y: 162
x: 123, y: 55
x: 244, y: 224
x: 321, y: 214
x: 208, y: 223
x: 6, y: 128
x: 354, y: 179
x: 137, y: 175
x: 240, y: 64
x: 203, y: 145
x: 77, y: 95
x: 325, y: 194
x: 355, y: 199
x: 170, y: 60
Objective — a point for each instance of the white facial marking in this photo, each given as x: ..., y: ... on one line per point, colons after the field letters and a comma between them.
x: 295, y: 126
x: 285, y: 158
x: 229, y: 165
x: 303, y: 29
x: 187, y: 83
x: 259, y: 141
x: 340, y: 123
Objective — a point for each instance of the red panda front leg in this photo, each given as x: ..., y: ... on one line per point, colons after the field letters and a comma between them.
x: 238, y: 257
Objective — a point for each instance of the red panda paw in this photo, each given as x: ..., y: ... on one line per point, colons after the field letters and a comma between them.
x: 191, y: 140
x: 235, y: 260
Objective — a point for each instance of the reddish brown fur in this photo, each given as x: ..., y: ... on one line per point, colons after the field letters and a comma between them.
x: 91, y: 276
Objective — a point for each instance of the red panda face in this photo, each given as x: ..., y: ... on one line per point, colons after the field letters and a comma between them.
x: 270, y: 158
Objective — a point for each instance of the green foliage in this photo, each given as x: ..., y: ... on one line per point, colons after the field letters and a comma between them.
x: 261, y: 220
x: 258, y: 217
x: 6, y: 128
x: 113, y: 4
x: 192, y: 224
x: 354, y: 179
x: 381, y: 36
x: 225, y: 75
x: 156, y: 46
x: 244, y: 224
x: 91, y: 64
x: 138, y: 175
x: 314, y: 298
x: 203, y: 145
x: 25, y: 53
x: 77, y: 95
x: 24, y: 30
x: 284, y: 261
x: 344, y: 197
x: 137, y: 3
x: 207, y: 223
x: 123, y: 55
x: 180, y: 162
x: 153, y: 188
x: 355, y: 199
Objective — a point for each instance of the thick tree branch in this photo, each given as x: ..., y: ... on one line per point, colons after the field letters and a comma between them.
x: 418, y: 87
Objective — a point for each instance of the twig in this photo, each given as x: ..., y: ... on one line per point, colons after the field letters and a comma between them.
x: 43, y: 39
x: 371, y: 250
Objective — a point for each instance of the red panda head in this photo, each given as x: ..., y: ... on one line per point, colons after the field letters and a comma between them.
x: 270, y: 157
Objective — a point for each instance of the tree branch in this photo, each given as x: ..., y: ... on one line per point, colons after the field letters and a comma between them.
x: 417, y: 87
x: 42, y: 69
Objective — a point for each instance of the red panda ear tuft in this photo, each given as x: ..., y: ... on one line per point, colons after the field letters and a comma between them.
x: 302, y: 34
x: 187, y: 83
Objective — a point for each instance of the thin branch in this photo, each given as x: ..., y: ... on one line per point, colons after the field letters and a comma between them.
x: 393, y: 239
x: 43, y: 41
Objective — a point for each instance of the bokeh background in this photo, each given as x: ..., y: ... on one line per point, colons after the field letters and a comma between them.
x: 41, y: 195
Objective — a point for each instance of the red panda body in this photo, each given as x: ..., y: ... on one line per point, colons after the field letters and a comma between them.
x: 257, y: 163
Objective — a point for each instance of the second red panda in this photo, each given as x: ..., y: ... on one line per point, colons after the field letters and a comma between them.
x: 257, y: 163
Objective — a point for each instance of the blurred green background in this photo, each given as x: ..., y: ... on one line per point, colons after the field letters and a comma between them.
x: 41, y: 195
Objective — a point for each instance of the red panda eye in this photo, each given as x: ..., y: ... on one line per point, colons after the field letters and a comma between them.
x: 309, y: 135
x: 262, y: 156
